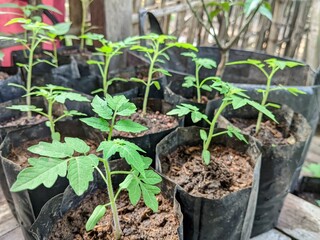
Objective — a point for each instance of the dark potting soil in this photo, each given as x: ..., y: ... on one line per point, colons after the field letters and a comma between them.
x: 23, y: 121
x: 228, y: 171
x: 154, y: 121
x: 21, y: 154
x: 270, y: 132
x: 3, y: 76
x: 137, y: 222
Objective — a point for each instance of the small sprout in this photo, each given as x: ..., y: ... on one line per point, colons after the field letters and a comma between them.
x: 274, y: 65
x: 107, y: 51
x: 231, y: 96
x: 194, y: 81
x: 52, y: 94
x: 155, y: 52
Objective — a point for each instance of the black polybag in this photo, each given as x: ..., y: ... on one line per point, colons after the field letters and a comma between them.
x: 62, y: 203
x: 230, y: 217
x: 280, y: 166
x: 28, y: 203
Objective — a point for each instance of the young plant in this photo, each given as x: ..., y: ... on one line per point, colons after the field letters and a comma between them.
x: 107, y: 51
x: 38, y: 32
x: 221, y: 10
x: 85, y: 25
x: 274, y: 65
x: 194, y: 81
x: 52, y: 94
x: 231, y: 96
x: 59, y: 159
x: 155, y: 52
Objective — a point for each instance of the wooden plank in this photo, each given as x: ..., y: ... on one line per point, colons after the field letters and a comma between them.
x: 299, y: 219
x: 118, y: 19
x: 15, y: 234
x: 273, y: 234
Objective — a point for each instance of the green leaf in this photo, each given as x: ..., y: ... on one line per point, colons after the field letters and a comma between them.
x: 250, y: 6
x: 196, y: 116
x: 157, y: 85
x: 80, y: 173
x: 42, y: 171
x: 238, y: 102
x: 50, y: 8
x: 127, y: 125
x: 189, y: 81
x: 117, y: 103
x: 55, y: 149
x: 61, y: 28
x: 262, y: 109
x: 233, y: 131
x: 77, y: 144
x: 151, y: 177
x: 313, y: 168
x: 206, y: 63
x: 180, y: 111
x: 95, y: 217
x: 265, y: 10
x: 203, y: 135
x: 206, y: 87
x: 127, y: 109
x: 189, y: 54
x: 109, y: 148
x: 62, y: 97
x: 149, y: 197
x: 295, y: 91
x: 55, y: 136
x: 101, y: 107
x: 25, y: 108
x: 134, y: 191
x: 97, y: 123
x: 206, y: 156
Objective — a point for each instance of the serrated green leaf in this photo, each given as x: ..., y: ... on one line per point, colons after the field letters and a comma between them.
x: 42, y: 171
x: 151, y: 177
x: 203, y: 135
x: 206, y: 63
x: 196, y: 116
x: 265, y: 10
x: 127, y: 109
x: 206, y: 87
x: 55, y: 149
x: 126, y: 182
x: 179, y: 110
x: 97, y: 123
x: 146, y: 162
x: 127, y: 125
x: 25, y: 108
x: 149, y: 197
x: 95, y: 217
x: 101, y: 107
x: 134, y: 191
x: 262, y: 109
x: 238, y: 102
x: 62, y: 97
x: 109, y: 148
x: 206, y: 156
x: 80, y: 173
x: 77, y: 144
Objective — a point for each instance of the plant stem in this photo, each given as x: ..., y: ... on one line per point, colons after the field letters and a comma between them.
x: 148, y: 85
x: 117, y: 229
x: 265, y: 96
x: 105, y: 76
x: 111, y: 126
x: 83, y: 23
x: 213, y: 123
x: 50, y: 117
x: 30, y: 67
x: 198, y: 83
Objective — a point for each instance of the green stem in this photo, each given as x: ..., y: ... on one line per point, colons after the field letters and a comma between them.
x: 83, y: 22
x: 112, y: 125
x: 198, y: 84
x: 105, y: 76
x: 120, y: 172
x: 30, y: 67
x: 148, y: 85
x: 265, y: 97
x: 117, y: 229
x: 50, y: 117
x: 213, y: 123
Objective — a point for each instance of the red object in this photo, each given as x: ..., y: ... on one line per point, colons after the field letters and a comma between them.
x: 16, y: 28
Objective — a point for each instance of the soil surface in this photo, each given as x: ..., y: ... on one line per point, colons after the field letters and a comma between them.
x: 23, y: 121
x: 3, y: 76
x: 228, y: 171
x: 154, y: 121
x: 137, y: 222
x: 270, y: 132
x: 21, y: 154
